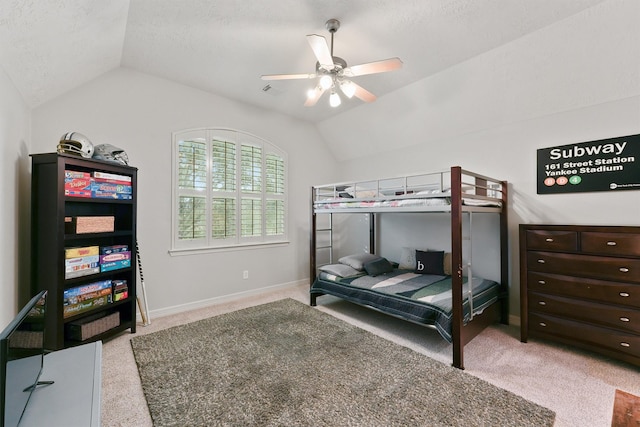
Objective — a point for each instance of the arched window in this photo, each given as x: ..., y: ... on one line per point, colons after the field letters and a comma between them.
x: 229, y: 189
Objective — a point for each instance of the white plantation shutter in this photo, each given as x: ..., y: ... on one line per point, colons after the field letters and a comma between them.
x: 229, y: 190
x: 274, y: 174
x: 274, y: 217
x: 274, y: 181
x: 251, y: 217
x: 223, y: 218
x: 223, y: 166
x: 192, y: 182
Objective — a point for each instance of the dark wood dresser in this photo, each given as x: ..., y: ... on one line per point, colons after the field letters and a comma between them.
x: 580, y: 285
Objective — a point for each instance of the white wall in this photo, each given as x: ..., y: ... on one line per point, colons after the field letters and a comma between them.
x: 585, y: 60
x: 138, y: 113
x: 14, y: 193
x: 575, y: 81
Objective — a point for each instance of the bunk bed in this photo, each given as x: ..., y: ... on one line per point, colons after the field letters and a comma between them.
x: 441, y: 299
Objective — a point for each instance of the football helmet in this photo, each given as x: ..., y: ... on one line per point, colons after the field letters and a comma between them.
x: 110, y: 153
x: 77, y: 144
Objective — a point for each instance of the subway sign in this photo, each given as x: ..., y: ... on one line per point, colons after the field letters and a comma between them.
x: 606, y: 165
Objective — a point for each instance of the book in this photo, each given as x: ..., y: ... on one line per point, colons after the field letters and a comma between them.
x: 111, y: 181
x: 115, y: 256
x: 120, y: 290
x: 81, y: 273
x: 88, y: 288
x: 84, y: 297
x: 107, y: 187
x: 110, y: 195
x: 115, y: 265
x: 106, y: 250
x: 73, y: 309
x: 107, y: 175
x: 77, y: 184
x: 80, y: 263
x: 80, y: 251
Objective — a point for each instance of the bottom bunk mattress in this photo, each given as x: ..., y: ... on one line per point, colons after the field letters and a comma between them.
x: 421, y: 298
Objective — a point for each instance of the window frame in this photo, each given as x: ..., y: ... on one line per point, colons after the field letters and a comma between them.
x: 238, y: 241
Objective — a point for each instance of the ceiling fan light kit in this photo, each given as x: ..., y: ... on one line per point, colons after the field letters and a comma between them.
x: 332, y: 71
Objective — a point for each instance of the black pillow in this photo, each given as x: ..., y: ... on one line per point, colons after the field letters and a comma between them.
x: 430, y: 262
x: 378, y: 266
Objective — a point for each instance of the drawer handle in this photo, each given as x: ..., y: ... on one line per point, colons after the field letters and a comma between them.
x: 548, y: 239
x: 542, y: 303
x: 611, y: 243
x: 625, y: 344
x: 624, y: 319
x: 624, y: 269
x: 541, y: 261
x: 542, y: 282
x: 624, y: 294
x: 544, y: 325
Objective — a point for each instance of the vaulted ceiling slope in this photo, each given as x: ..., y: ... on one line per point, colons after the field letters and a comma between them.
x: 49, y: 47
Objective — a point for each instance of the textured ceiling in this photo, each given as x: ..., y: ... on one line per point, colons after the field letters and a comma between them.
x: 48, y: 47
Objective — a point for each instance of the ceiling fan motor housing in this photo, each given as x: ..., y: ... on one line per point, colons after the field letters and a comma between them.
x: 339, y: 64
x: 332, y: 25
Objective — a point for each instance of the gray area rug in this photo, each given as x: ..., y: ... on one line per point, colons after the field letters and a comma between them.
x: 287, y: 364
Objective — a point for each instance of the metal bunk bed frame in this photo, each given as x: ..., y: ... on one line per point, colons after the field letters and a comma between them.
x: 482, y: 185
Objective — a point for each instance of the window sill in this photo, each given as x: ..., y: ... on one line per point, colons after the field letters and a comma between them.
x: 205, y: 250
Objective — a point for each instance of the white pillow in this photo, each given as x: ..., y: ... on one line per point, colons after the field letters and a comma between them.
x: 358, y: 261
x: 361, y: 194
x: 341, y: 270
x: 408, y: 258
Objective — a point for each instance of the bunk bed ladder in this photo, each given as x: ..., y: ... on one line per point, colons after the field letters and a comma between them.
x: 329, y: 231
x: 313, y: 250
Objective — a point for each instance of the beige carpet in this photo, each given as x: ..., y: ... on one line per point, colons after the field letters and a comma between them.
x: 287, y: 364
x: 579, y: 387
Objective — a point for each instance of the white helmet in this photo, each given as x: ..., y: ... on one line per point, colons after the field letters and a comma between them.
x: 75, y: 143
x: 111, y: 153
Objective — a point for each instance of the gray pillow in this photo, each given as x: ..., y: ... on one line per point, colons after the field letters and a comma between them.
x: 378, y: 266
x: 341, y: 270
x: 357, y: 261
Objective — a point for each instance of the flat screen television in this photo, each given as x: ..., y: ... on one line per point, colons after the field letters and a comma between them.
x: 21, y: 359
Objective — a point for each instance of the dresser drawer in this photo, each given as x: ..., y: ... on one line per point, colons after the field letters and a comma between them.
x: 610, y: 243
x: 627, y: 294
x: 621, y: 318
x: 622, y: 269
x: 625, y: 343
x: 545, y: 240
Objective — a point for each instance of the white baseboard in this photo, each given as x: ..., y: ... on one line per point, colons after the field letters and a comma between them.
x: 514, y: 320
x: 167, y: 311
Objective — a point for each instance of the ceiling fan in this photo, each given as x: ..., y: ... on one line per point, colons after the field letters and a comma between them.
x: 332, y: 72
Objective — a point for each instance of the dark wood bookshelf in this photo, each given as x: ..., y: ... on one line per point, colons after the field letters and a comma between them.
x: 49, y: 207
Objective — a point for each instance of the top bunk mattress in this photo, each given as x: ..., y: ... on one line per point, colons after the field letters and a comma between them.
x: 421, y: 298
x: 429, y: 192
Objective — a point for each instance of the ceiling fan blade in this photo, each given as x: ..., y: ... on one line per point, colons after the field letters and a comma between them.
x: 287, y: 76
x: 321, y: 51
x: 373, y: 67
x: 313, y: 96
x: 363, y: 94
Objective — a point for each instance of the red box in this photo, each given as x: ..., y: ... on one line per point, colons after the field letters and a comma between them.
x: 77, y: 184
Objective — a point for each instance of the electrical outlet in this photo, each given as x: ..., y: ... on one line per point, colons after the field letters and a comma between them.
x: 245, y: 274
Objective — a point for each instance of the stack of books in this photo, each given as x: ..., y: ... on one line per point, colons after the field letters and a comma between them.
x: 82, y: 261
x: 111, y: 186
x: 86, y: 297
x: 83, y: 298
x: 114, y: 257
x: 97, y: 185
